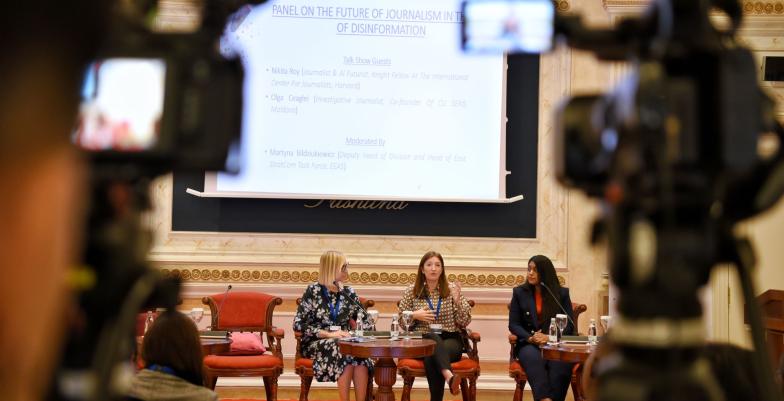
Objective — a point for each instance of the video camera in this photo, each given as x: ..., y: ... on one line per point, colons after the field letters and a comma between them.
x: 672, y: 153
x: 157, y: 101
x: 152, y: 102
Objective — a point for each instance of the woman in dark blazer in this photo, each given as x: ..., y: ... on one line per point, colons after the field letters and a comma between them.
x: 533, y: 304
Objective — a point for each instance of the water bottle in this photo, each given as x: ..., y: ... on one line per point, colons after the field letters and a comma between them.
x: 553, y: 333
x: 148, y: 322
x: 394, y: 328
x: 592, y: 332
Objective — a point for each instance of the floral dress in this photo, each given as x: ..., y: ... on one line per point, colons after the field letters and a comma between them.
x: 314, y: 314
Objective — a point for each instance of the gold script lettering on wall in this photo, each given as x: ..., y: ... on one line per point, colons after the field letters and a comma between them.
x: 357, y: 204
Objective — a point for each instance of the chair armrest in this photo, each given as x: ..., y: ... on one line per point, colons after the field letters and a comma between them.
x: 298, y: 337
x: 277, y: 332
x: 274, y: 338
x: 512, y: 344
x: 470, y: 338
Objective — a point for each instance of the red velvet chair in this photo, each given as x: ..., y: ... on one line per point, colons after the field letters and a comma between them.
x: 466, y: 368
x: 517, y: 372
x: 246, y: 311
x: 304, y: 366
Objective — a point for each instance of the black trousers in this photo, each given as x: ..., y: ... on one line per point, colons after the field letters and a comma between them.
x: 548, y: 379
x: 449, y: 348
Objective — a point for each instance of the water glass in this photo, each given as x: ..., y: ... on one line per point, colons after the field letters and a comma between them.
x: 196, y: 315
x: 605, y: 321
x: 372, y: 317
x: 408, y: 318
x: 561, y: 321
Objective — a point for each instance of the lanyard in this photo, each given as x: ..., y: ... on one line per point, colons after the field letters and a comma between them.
x: 438, y: 310
x: 163, y: 369
x: 333, y: 309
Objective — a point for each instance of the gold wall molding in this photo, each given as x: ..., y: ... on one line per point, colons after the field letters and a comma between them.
x: 364, y: 278
x: 305, y: 276
x: 763, y: 8
x: 749, y: 7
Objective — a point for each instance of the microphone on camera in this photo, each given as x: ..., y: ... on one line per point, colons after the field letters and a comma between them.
x: 220, y: 306
x: 558, y: 303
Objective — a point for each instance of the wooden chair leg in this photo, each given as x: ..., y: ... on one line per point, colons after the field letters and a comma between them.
x: 472, y: 389
x: 408, y: 382
x: 464, y: 389
x: 210, y: 381
x: 304, y: 387
x: 271, y: 387
x: 577, y: 385
x: 518, y: 394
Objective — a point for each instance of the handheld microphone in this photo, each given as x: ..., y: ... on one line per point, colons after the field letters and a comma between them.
x: 220, y: 306
x: 558, y: 303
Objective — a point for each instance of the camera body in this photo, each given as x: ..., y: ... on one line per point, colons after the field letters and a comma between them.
x: 672, y: 154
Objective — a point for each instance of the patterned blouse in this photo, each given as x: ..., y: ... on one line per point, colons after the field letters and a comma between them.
x: 452, y: 316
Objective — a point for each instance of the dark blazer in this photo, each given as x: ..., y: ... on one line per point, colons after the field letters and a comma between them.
x: 523, y: 320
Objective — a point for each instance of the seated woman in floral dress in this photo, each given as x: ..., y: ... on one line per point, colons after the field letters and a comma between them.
x: 323, y: 317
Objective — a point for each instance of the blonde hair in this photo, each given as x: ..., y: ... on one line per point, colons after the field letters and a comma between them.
x: 329, y: 266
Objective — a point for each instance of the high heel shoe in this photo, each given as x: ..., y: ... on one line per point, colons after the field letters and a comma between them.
x: 454, y: 385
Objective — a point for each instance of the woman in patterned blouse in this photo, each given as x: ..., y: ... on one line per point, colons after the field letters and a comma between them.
x: 434, y: 301
x: 323, y: 317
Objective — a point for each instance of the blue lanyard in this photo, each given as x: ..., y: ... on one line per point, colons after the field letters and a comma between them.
x: 333, y: 309
x: 438, y: 310
x: 163, y: 369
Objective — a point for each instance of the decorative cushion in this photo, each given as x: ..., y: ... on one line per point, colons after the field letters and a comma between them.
x: 242, y: 362
x: 246, y: 344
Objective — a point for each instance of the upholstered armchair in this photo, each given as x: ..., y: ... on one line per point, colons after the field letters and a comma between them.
x: 303, y: 366
x: 467, y: 368
x: 517, y: 372
x: 246, y: 311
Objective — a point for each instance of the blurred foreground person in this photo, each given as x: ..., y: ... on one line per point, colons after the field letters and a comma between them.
x: 44, y: 47
x: 172, y: 362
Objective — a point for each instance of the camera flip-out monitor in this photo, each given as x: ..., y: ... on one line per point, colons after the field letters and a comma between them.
x: 122, y: 107
x: 170, y: 105
x: 497, y: 26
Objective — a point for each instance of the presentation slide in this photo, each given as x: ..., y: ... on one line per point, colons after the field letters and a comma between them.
x: 365, y: 100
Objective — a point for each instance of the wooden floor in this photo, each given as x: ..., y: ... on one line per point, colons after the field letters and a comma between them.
x: 319, y: 394
x: 417, y: 394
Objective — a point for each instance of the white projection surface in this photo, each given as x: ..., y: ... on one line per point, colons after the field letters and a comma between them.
x: 365, y: 100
